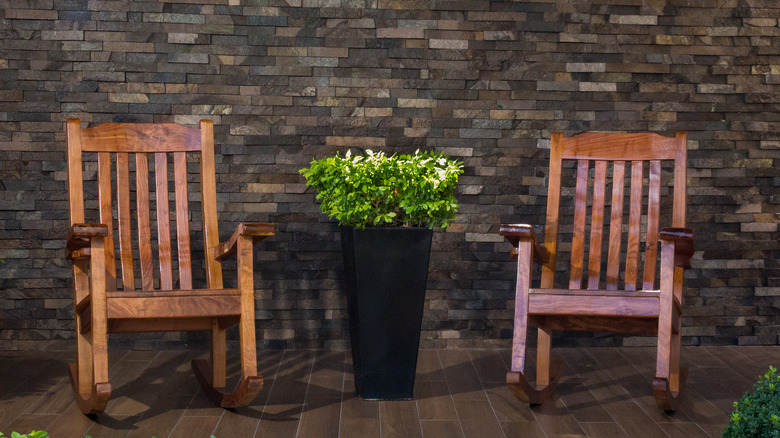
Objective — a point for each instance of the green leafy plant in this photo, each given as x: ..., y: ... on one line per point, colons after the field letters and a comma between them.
x: 32, y: 434
x: 757, y: 414
x: 379, y: 190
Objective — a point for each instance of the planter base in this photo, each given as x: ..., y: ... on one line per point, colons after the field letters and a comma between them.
x: 386, y: 272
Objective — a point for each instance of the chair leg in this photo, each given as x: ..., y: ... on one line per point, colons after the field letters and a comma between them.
x: 91, y: 397
x: 670, y: 378
x: 89, y: 375
x: 218, y: 355
x: 251, y: 383
x: 668, y: 389
x: 213, y: 379
x: 547, y: 373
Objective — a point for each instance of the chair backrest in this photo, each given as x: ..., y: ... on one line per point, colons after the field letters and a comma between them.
x: 116, y: 145
x: 621, y: 157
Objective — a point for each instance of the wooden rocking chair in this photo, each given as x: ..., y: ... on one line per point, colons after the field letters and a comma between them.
x: 599, y: 305
x: 102, y: 307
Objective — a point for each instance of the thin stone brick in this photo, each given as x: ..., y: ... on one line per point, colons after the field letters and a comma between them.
x: 355, y: 141
x: 62, y: 35
x: 638, y: 20
x: 586, y: 67
x: 154, y: 17
x: 768, y: 291
x: 598, y: 86
x: 578, y: 38
x: 188, y: 58
x: 405, y: 32
x: 448, y: 44
x: 416, y: 103
x: 759, y: 227
x: 182, y: 38
x: 676, y: 40
x: 30, y: 14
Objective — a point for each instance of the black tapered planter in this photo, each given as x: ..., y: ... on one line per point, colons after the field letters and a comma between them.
x: 386, y: 271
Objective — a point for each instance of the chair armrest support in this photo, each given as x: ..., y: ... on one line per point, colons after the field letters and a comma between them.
x: 683, y: 244
x: 516, y: 233
x: 79, y: 237
x: 257, y: 231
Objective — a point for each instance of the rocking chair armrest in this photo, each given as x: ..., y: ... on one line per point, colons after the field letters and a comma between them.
x: 516, y: 233
x: 79, y: 237
x: 257, y: 231
x: 683, y: 244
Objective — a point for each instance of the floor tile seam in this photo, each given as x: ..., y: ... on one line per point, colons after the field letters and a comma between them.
x: 449, y: 392
x: 484, y: 390
x: 305, y: 395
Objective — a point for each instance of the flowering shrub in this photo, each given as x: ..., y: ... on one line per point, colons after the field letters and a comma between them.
x: 757, y: 414
x: 32, y: 434
x: 377, y: 190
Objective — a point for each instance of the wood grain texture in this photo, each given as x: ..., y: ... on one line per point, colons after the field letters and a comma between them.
x: 141, y: 137
x: 123, y: 221
x: 588, y: 307
x: 634, y: 224
x: 208, y: 204
x: 653, y: 218
x: 143, y: 223
x: 256, y: 231
x: 75, y: 179
x: 174, y: 306
x: 147, y: 309
x: 597, y: 225
x: 602, y: 391
x: 520, y: 332
x: 578, y: 234
x: 620, y: 147
x: 515, y: 233
x: 615, y: 225
x: 553, y: 208
x: 680, y: 180
x: 182, y: 220
x: 106, y: 215
x: 163, y: 220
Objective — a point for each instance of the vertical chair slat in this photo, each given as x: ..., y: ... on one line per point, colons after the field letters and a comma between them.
x: 553, y: 208
x: 163, y: 220
x: 653, y: 213
x: 106, y: 215
x: 144, y: 228
x: 182, y: 219
x: 615, y: 224
x: 596, y: 225
x: 634, y: 224
x: 123, y: 220
x: 578, y: 234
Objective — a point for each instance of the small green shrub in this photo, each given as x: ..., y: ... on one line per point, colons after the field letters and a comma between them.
x: 757, y: 414
x: 32, y: 434
x: 377, y: 190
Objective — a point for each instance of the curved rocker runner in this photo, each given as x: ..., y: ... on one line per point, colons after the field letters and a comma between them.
x: 105, y: 302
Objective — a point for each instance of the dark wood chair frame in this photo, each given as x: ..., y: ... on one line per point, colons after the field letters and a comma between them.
x: 101, y: 307
x: 590, y: 307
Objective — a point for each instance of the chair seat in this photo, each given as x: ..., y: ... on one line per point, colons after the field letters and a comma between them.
x: 178, y: 303
x: 616, y: 311
x: 170, y: 310
x: 624, y: 303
